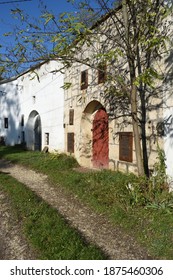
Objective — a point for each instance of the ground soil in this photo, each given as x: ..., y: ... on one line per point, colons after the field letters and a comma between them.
x: 93, y: 227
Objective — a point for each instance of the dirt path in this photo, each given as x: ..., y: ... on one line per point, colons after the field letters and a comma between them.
x: 95, y: 228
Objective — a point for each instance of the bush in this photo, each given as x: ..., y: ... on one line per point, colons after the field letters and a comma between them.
x: 152, y: 192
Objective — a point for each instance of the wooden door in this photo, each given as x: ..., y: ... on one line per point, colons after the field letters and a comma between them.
x: 100, y: 139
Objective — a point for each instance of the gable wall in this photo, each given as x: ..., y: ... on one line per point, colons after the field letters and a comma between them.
x: 41, y: 93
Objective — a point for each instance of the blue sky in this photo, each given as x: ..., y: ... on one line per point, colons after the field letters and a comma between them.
x: 31, y: 7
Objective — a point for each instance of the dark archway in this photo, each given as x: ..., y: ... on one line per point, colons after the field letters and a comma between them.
x: 34, y: 131
x: 37, y: 134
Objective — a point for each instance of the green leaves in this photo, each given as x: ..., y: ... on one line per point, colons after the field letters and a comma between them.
x: 66, y: 86
x: 16, y: 11
x: 48, y: 17
x: 148, y: 77
x: 7, y: 34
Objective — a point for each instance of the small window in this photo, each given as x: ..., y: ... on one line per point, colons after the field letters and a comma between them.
x: 33, y: 99
x: 46, y: 138
x: 22, y: 120
x: 71, y: 116
x: 101, y: 73
x: 70, y: 142
x: 126, y: 146
x: 5, y: 122
x: 84, y: 79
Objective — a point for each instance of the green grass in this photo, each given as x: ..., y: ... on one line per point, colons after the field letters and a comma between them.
x: 106, y: 192
x: 47, y: 231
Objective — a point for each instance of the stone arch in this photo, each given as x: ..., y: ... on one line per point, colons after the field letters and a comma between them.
x: 88, y: 151
x: 34, y: 131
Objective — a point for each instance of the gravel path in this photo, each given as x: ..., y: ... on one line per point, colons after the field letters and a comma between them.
x: 95, y: 228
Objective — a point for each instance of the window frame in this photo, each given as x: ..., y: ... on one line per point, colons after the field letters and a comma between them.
x: 102, y: 70
x: 6, y: 123
x: 84, y: 79
x: 22, y: 120
x: 47, y: 138
x: 70, y: 142
x: 71, y: 117
x: 126, y: 146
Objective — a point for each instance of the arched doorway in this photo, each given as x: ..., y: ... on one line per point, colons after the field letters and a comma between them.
x: 94, y: 136
x: 34, y: 139
x: 100, y: 138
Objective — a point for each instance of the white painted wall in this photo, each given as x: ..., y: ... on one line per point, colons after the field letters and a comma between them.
x: 40, y: 93
x: 9, y: 108
x: 168, y: 139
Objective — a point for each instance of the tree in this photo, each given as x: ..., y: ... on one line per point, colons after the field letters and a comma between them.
x: 133, y: 46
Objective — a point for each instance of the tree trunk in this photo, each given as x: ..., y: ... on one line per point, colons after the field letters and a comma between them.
x: 143, y: 132
x: 133, y: 94
x: 142, y: 91
x: 137, y: 140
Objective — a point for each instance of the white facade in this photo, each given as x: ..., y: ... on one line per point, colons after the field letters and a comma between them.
x: 168, y: 133
x: 32, y: 108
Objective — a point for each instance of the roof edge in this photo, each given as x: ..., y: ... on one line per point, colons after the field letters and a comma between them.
x: 32, y: 68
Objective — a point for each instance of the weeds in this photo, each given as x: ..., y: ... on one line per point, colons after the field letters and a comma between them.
x: 152, y: 192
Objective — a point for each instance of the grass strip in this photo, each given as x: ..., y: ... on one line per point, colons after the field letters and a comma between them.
x: 44, y: 228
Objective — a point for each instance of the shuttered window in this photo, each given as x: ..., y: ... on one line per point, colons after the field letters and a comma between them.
x: 126, y: 146
x: 101, y: 73
x: 70, y: 142
x: 71, y: 116
x: 84, y: 79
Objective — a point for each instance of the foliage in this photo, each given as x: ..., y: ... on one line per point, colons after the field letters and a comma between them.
x: 159, y: 176
x: 153, y: 192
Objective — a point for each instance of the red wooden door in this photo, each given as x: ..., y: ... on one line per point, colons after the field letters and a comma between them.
x: 100, y: 140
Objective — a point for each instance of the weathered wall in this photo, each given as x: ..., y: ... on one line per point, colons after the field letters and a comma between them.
x: 86, y: 102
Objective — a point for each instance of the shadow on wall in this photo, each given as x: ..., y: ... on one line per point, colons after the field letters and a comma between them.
x: 10, y: 114
x: 167, y: 124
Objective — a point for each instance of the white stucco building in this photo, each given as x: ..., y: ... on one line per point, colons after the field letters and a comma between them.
x: 32, y: 108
